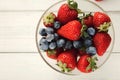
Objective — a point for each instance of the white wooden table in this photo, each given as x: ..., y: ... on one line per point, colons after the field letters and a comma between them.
x: 19, y: 59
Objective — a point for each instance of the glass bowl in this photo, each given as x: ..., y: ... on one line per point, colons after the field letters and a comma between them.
x: 86, y: 6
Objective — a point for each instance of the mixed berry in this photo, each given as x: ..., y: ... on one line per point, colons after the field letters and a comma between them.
x: 73, y: 37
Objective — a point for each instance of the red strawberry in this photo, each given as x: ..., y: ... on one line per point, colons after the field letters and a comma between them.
x: 98, y: 0
x: 67, y: 60
x: 67, y: 12
x: 88, y: 20
x: 53, y: 54
x: 101, y: 42
x: 48, y: 19
x: 86, y: 64
x: 81, y: 52
x: 101, y: 21
x: 71, y: 31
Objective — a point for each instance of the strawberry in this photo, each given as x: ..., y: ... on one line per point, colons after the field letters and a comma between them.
x: 71, y: 30
x: 101, y: 41
x: 68, y: 12
x: 53, y: 54
x: 88, y: 20
x: 67, y: 60
x: 98, y: 0
x: 101, y: 21
x: 48, y: 19
x: 81, y: 52
x: 86, y: 64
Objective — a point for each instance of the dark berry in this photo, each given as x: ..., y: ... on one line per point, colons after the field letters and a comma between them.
x: 57, y: 24
x: 68, y: 45
x: 60, y: 43
x: 77, y: 44
x: 56, y: 36
x: 50, y: 37
x: 43, y: 44
x: 42, y: 32
x: 49, y: 30
x: 91, y: 31
x: 87, y: 42
x: 91, y: 50
x: 52, y: 45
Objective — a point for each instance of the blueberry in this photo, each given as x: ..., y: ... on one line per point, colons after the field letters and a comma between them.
x: 49, y: 30
x: 42, y: 32
x: 43, y: 44
x: 77, y: 44
x: 88, y: 42
x: 52, y: 45
x: 56, y: 36
x: 57, y: 24
x: 50, y: 37
x: 43, y: 41
x: 91, y: 50
x: 60, y: 43
x: 91, y: 31
x: 68, y: 45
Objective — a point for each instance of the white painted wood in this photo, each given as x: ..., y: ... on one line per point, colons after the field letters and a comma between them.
x: 24, y: 66
x: 16, y: 5
x: 17, y: 31
x: 18, y: 21
x: 26, y: 4
x: 109, y: 5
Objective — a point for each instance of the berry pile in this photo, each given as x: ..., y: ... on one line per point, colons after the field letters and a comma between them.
x: 73, y: 37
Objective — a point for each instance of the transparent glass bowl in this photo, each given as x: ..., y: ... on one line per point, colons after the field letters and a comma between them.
x: 86, y: 6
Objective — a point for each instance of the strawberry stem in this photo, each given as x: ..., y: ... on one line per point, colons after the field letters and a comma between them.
x: 92, y: 63
x: 51, y: 52
x: 74, y: 5
x: 63, y: 66
x: 104, y: 27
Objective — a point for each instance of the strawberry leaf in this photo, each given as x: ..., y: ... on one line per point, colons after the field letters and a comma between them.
x: 92, y: 63
x: 104, y: 27
x: 63, y: 66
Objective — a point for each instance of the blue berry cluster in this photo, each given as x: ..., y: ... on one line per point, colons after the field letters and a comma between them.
x: 51, y: 40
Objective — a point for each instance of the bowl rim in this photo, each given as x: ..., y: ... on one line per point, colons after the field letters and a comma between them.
x: 36, y: 38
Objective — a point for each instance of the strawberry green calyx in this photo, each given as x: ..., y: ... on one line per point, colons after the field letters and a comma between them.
x: 49, y: 19
x: 92, y: 63
x: 87, y: 15
x: 104, y: 27
x: 51, y: 52
x: 83, y: 31
x: 73, y: 5
x: 63, y: 66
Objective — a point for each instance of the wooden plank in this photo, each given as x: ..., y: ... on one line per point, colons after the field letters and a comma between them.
x: 31, y: 67
x: 36, y: 5
x: 25, y: 4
